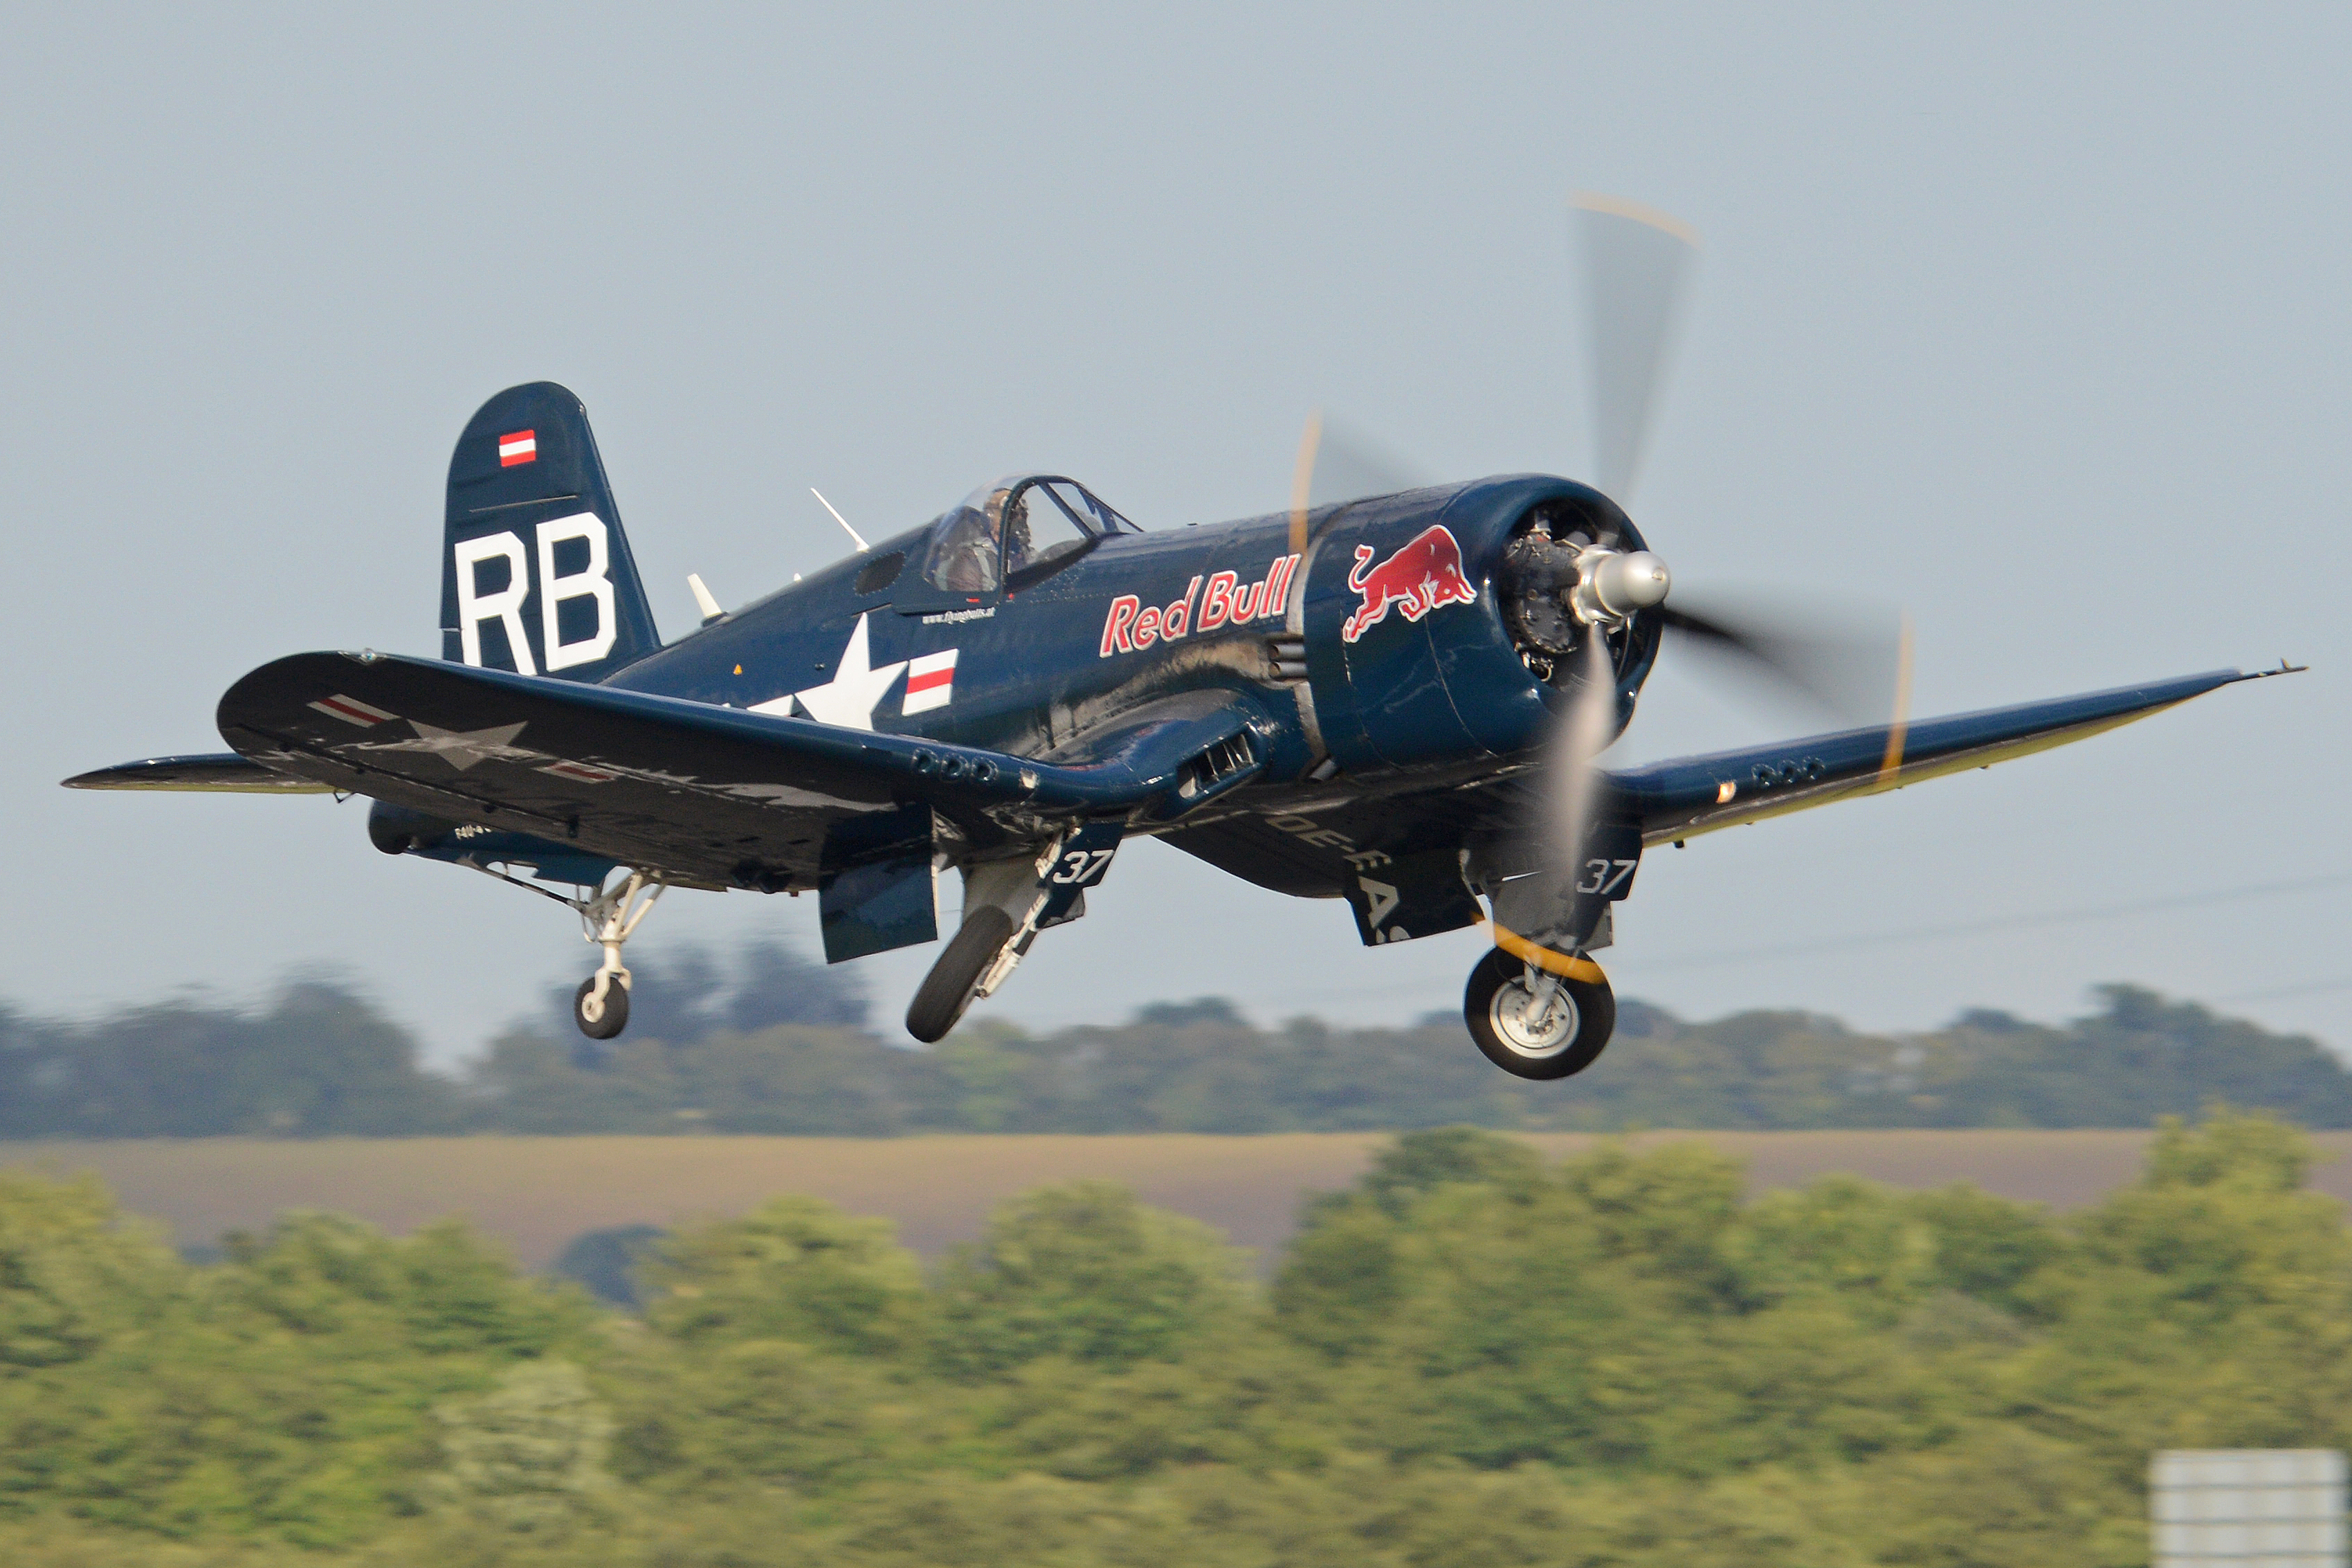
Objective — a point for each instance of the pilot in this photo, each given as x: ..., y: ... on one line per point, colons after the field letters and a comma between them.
x: 971, y: 551
x: 1018, y: 548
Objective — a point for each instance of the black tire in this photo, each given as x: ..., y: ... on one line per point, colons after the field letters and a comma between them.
x: 1570, y: 1044
x: 615, y: 1010
x: 946, y: 990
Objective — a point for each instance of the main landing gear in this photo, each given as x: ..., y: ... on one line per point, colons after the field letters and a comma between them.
x: 1541, y: 1017
x: 1006, y: 902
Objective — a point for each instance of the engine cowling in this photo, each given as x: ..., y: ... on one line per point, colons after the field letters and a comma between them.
x: 1438, y: 622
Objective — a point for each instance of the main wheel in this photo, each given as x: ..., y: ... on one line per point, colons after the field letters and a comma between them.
x: 946, y: 990
x: 611, y: 1018
x: 1556, y: 1038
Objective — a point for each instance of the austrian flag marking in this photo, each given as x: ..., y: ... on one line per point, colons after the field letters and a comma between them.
x: 522, y: 447
x: 351, y: 711
x: 931, y: 683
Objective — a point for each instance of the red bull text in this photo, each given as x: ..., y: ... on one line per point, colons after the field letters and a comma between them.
x: 1131, y: 625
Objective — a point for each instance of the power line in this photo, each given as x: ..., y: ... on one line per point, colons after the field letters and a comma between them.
x: 1987, y: 927
x: 2315, y: 988
x: 1927, y: 934
x: 1640, y: 965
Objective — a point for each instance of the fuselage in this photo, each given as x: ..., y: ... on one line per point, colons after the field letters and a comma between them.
x: 1367, y: 635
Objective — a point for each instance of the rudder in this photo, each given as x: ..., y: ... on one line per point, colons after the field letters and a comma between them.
x: 536, y: 574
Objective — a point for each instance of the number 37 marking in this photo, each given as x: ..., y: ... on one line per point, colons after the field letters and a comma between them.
x: 1605, y: 877
x: 1082, y: 868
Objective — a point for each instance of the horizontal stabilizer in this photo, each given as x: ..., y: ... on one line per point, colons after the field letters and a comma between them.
x: 217, y: 772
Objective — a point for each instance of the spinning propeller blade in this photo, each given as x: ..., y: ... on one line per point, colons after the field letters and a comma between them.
x: 1570, y: 799
x: 1338, y: 463
x: 1637, y: 264
x: 1855, y: 673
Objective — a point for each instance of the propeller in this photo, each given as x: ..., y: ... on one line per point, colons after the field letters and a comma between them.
x: 1637, y: 267
x: 1569, y: 799
x: 1568, y: 597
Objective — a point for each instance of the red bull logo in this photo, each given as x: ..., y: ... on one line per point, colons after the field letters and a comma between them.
x: 1419, y: 578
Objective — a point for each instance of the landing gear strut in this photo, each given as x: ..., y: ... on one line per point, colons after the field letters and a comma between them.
x: 1545, y: 1018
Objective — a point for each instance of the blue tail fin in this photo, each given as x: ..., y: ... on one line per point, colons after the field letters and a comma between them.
x: 536, y: 574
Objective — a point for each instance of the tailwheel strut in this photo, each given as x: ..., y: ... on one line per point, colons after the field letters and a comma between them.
x: 601, y: 1006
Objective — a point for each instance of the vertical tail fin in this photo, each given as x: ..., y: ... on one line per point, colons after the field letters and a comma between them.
x: 536, y: 574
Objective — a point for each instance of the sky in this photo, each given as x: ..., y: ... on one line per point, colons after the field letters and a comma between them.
x: 2031, y: 320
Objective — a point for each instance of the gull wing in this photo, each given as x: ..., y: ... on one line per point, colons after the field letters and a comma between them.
x: 720, y: 794
x: 1329, y: 846
x: 1690, y: 795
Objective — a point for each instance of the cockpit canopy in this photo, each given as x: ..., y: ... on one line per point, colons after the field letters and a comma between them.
x: 1018, y: 530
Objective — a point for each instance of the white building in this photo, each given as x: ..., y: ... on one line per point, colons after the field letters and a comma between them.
x: 2247, y: 1508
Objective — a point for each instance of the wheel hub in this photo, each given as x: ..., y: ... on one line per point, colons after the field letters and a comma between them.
x: 1531, y: 1027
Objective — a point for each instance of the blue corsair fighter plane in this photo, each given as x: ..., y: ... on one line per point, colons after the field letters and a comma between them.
x: 1394, y: 701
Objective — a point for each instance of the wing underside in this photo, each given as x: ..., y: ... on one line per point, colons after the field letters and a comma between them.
x: 754, y: 800
x: 717, y: 793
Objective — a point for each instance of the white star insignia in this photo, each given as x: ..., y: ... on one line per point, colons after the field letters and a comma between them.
x: 461, y: 749
x: 850, y: 698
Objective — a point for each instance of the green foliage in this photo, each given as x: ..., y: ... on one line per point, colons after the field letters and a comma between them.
x: 320, y: 1060
x: 793, y: 1269
x: 790, y: 1079
x: 1417, y: 1164
x: 1467, y: 1358
x: 71, y: 1274
x: 529, y: 1454
x: 286, y: 1393
x: 1083, y: 1271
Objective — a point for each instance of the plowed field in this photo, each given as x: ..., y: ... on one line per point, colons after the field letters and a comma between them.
x: 537, y: 1194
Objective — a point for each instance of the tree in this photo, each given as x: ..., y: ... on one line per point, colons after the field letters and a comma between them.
x: 793, y: 1269
x: 1083, y: 1271
x: 529, y: 1454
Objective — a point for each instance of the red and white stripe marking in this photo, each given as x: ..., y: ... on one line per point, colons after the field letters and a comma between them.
x: 579, y: 772
x: 522, y: 447
x: 351, y: 711
x: 931, y: 683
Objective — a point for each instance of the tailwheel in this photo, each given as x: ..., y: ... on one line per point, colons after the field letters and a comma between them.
x: 601, y: 1018
x: 1537, y: 1021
